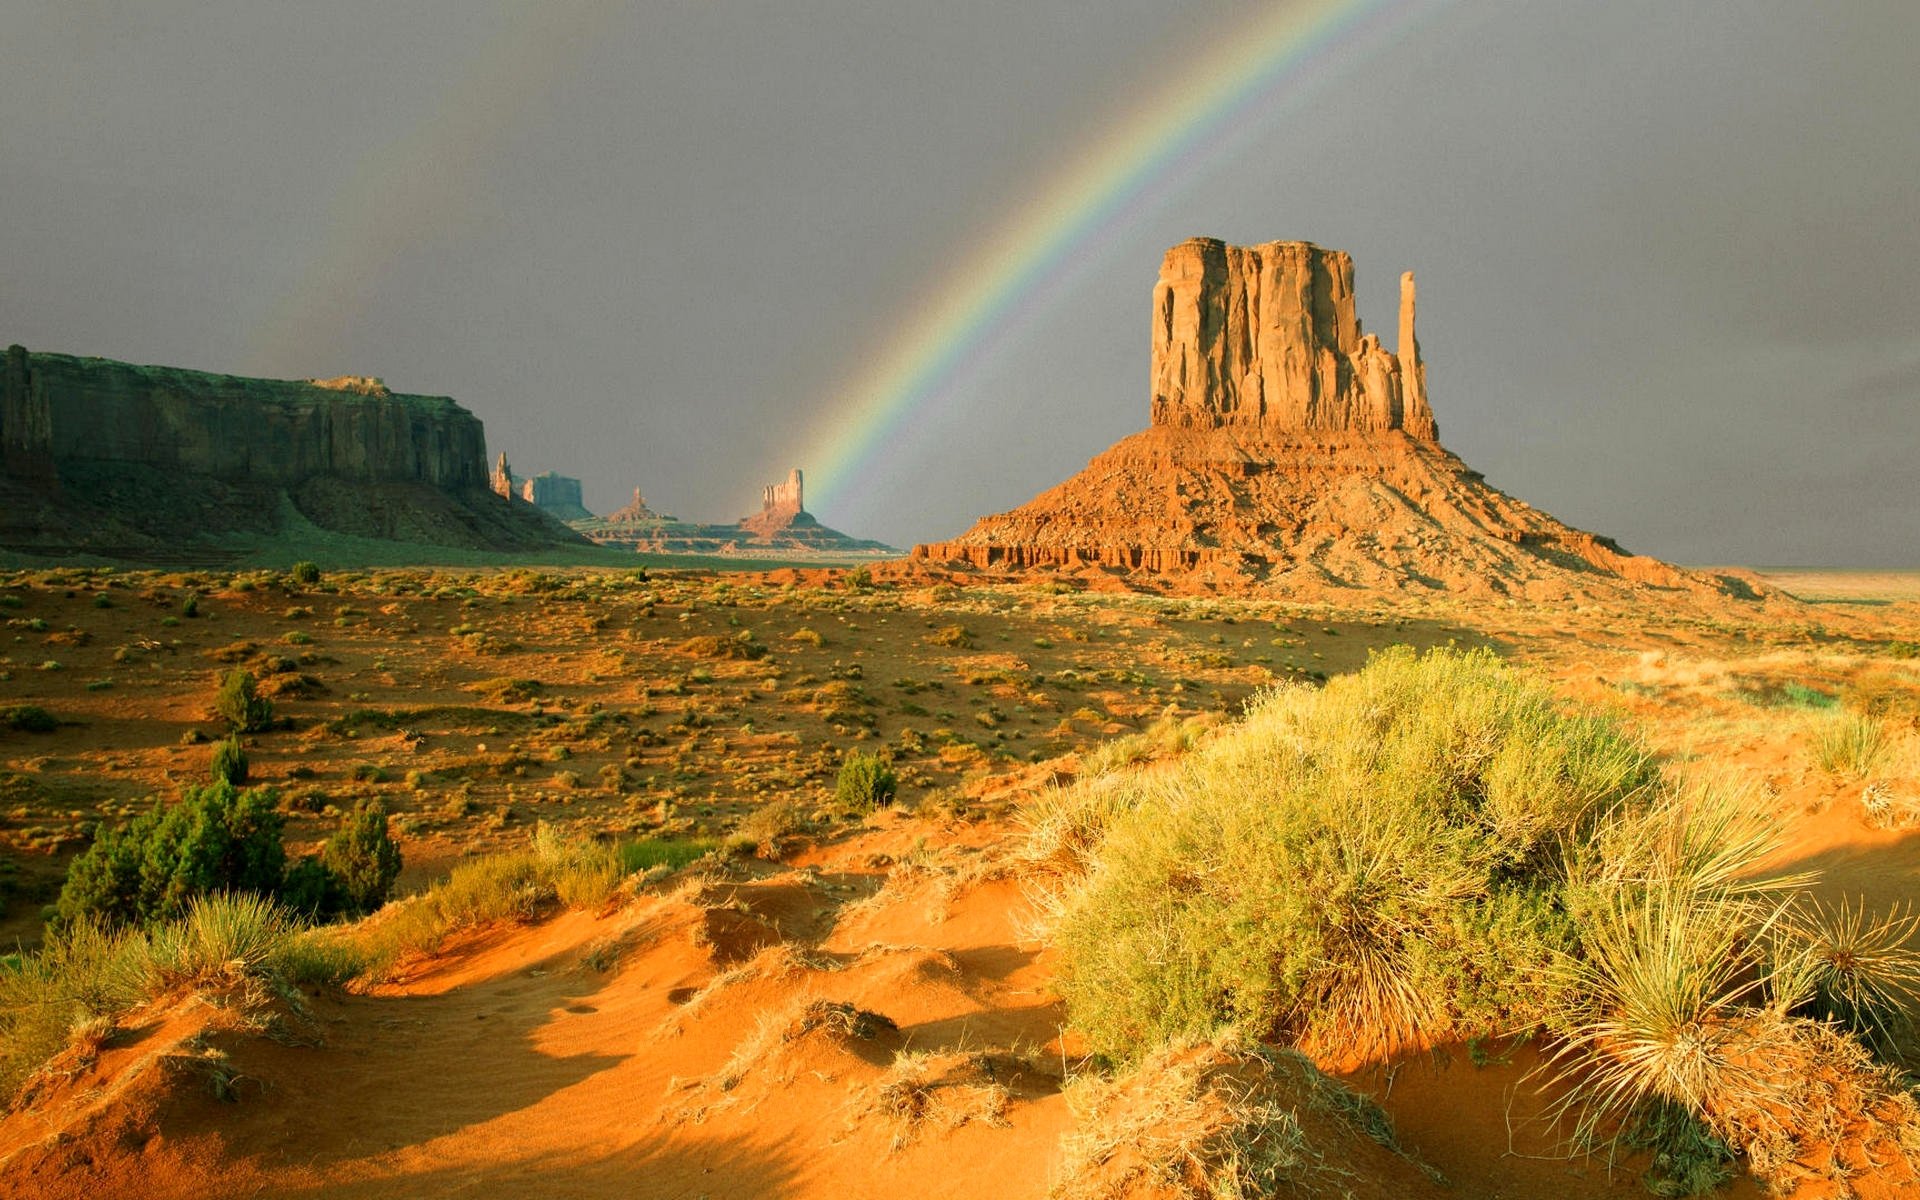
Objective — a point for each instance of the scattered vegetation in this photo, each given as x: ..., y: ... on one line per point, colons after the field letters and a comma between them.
x: 28, y: 718
x: 240, y: 702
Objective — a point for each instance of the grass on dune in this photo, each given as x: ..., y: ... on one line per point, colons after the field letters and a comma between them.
x: 87, y: 975
x: 1437, y: 848
x: 552, y: 871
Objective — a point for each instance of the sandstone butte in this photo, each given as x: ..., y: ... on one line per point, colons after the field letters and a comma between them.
x: 1290, y: 451
x: 782, y: 526
x: 157, y: 463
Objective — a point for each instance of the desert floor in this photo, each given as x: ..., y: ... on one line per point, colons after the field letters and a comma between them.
x: 703, y: 1035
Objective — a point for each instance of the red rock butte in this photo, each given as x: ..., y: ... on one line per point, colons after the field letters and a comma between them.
x: 1290, y: 450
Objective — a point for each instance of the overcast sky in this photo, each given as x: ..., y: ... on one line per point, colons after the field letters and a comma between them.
x: 1668, y: 253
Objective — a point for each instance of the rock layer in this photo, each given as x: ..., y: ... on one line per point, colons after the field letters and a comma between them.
x: 1290, y: 450
x: 117, y: 458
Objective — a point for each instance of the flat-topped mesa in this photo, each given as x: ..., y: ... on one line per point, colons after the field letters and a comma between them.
x: 1266, y: 337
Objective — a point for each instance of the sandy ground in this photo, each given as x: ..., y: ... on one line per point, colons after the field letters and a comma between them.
x: 705, y: 1036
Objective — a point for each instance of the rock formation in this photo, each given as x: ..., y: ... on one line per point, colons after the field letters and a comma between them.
x: 781, y: 506
x: 557, y: 495
x: 635, y: 512
x: 147, y: 462
x: 783, y: 527
x: 1265, y: 338
x: 1290, y: 450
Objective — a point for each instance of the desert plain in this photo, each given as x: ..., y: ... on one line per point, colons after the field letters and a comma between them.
x: 769, y: 992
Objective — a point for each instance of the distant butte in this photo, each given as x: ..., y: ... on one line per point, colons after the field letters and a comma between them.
x: 1292, y: 451
x: 782, y: 526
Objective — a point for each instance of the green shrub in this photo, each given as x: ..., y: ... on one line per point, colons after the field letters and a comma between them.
x: 190, y: 607
x: 866, y: 782
x: 229, y: 761
x: 242, y: 706
x: 1370, y: 864
x: 305, y: 573
x: 362, y: 856
x: 215, y: 838
x: 28, y: 718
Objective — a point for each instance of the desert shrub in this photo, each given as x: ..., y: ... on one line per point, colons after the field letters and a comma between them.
x: 1848, y: 744
x: 1227, y: 1121
x: 28, y: 718
x: 1885, y: 695
x: 363, y: 858
x: 1373, y: 862
x: 1436, y: 848
x: 958, y: 637
x: 322, y: 956
x: 214, y: 838
x: 79, y: 975
x: 241, y: 704
x: 305, y: 573
x: 229, y: 762
x: 866, y: 782
x: 1858, y: 969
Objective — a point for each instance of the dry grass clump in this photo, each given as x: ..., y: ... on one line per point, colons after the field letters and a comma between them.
x: 1222, y: 1121
x: 1847, y: 744
x: 86, y: 976
x: 1168, y: 737
x: 517, y: 885
x: 922, y: 1089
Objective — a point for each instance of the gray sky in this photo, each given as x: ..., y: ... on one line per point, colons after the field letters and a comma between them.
x: 1667, y: 252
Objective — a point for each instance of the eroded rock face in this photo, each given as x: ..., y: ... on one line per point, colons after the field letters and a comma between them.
x: 1290, y: 451
x: 1266, y: 337
x: 132, y: 461
x: 251, y: 430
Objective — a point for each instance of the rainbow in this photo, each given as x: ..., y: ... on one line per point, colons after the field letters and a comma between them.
x: 1030, y: 258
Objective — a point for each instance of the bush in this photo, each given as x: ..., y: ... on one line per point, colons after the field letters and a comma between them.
x: 242, y: 706
x: 215, y: 838
x: 229, y: 762
x: 1369, y: 864
x: 865, y: 783
x: 28, y: 718
x: 1434, y: 849
x: 305, y: 573
x: 362, y: 856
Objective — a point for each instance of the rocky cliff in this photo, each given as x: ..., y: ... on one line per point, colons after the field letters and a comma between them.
x: 1290, y: 451
x: 1265, y: 337
x: 118, y: 458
